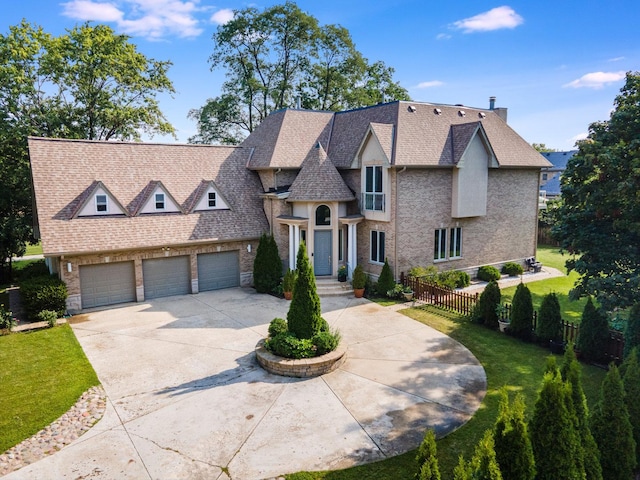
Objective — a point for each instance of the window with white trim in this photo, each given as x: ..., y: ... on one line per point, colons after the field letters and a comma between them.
x: 440, y: 244
x: 377, y: 246
x: 102, y: 203
x: 373, y: 195
x: 211, y: 199
x: 159, y: 201
x: 455, y: 242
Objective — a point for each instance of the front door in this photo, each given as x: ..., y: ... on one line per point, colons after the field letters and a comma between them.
x: 322, y: 252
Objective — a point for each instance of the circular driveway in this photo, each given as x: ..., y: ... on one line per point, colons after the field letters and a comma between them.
x: 187, y: 399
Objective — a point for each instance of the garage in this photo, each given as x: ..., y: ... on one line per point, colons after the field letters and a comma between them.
x: 163, y: 277
x: 107, y: 284
x: 218, y: 270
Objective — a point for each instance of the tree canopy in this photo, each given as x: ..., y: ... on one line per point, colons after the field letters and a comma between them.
x: 599, y: 219
x: 278, y: 57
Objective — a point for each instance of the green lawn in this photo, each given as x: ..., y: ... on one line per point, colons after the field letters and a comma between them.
x: 43, y: 374
x: 34, y: 249
x: 550, y: 256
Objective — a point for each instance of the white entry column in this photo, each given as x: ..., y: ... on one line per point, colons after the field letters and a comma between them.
x: 352, y: 251
x: 296, y: 246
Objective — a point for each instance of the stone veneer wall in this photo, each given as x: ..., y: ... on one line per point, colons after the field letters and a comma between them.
x: 72, y: 279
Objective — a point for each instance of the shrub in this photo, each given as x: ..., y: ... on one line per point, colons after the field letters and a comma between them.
x: 487, y: 273
x: 325, y: 342
x: 32, y: 270
x: 521, y: 313
x: 487, y: 303
x: 514, y: 453
x: 277, y: 325
x: 289, y: 280
x: 632, y: 332
x: 427, y: 458
x: 7, y: 322
x: 512, y: 269
x: 593, y: 333
x: 43, y: 293
x: 48, y: 316
x: 549, y: 320
x: 386, y: 281
x: 267, y: 266
x: 464, y: 279
x: 449, y: 278
x: 631, y: 383
x: 304, y: 317
x: 359, y: 277
x: 289, y: 346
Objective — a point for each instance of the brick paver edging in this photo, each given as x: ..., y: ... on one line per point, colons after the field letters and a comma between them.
x: 302, y: 368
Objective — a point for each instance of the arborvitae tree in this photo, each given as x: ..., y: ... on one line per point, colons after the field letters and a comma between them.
x: 427, y: 459
x: 512, y: 444
x: 522, y: 313
x: 549, y: 319
x: 593, y: 334
x: 612, y: 429
x: 267, y: 266
x: 386, y: 281
x: 632, y: 332
x: 487, y: 303
x: 554, y: 438
x: 304, y: 318
x: 572, y: 374
x: 462, y: 470
x: 483, y: 464
x: 631, y: 382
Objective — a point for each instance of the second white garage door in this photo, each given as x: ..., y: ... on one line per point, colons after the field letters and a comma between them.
x: 218, y: 270
x: 163, y: 277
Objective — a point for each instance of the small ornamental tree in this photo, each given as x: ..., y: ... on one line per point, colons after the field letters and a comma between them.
x: 631, y: 383
x: 554, y: 438
x: 612, y: 429
x: 487, y: 303
x: 267, y: 266
x: 483, y: 464
x: 512, y: 444
x: 427, y: 458
x: 632, y: 332
x: 549, y: 319
x: 386, y: 281
x: 522, y: 313
x: 304, y: 318
x: 593, y: 334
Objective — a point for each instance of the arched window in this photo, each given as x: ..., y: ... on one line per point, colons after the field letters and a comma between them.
x: 323, y: 215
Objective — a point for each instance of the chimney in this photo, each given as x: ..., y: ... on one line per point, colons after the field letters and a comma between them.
x: 492, y: 103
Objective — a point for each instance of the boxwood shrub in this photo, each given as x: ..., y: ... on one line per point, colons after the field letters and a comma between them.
x: 487, y: 273
x: 45, y: 292
x: 512, y: 269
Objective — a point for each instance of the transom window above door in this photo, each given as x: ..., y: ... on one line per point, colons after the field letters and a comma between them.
x: 323, y: 215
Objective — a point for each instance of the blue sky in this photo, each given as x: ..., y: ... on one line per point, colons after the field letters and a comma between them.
x: 556, y: 65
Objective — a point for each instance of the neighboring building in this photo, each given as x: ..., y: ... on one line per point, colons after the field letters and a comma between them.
x: 416, y: 183
x: 550, y: 176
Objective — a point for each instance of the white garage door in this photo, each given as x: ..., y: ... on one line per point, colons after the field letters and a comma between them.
x: 163, y: 277
x: 107, y: 284
x: 218, y: 270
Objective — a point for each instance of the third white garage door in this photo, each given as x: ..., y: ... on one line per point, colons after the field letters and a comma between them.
x: 166, y: 276
x: 218, y: 270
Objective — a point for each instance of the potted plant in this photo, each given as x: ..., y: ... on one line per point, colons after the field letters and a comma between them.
x: 407, y: 292
x: 342, y: 273
x: 503, y: 317
x: 358, y: 282
x: 288, y: 281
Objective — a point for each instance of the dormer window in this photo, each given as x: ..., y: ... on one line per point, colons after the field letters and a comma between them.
x: 373, y: 196
x: 211, y: 199
x: 159, y: 201
x: 102, y: 205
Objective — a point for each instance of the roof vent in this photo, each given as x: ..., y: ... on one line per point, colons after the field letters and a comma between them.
x: 482, y: 114
x: 412, y: 108
x: 461, y: 113
x: 437, y: 111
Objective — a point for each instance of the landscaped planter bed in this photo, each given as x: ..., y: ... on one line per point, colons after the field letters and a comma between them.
x: 301, y: 368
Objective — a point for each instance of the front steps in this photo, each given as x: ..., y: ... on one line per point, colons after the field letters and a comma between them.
x: 331, y: 287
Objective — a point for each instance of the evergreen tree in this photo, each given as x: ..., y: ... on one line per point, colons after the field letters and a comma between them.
x: 631, y: 382
x: 304, y: 318
x: 427, y: 459
x: 462, y: 470
x: 386, y: 281
x: 572, y: 374
x: 483, y: 464
x: 593, y: 334
x: 487, y: 303
x: 549, y: 320
x: 612, y: 429
x: 522, y: 313
x: 512, y: 444
x: 632, y: 332
x: 267, y: 266
x: 554, y: 438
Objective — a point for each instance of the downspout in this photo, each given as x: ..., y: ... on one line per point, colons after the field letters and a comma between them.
x: 395, y: 226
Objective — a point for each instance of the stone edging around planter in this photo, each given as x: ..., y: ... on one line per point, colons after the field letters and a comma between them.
x: 302, y: 368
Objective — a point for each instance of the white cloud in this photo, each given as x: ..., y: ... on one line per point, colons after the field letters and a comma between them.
x: 222, y: 16
x: 443, y: 36
x: 616, y: 59
x: 580, y: 136
x: 152, y: 19
x: 596, y: 80
x: 432, y: 83
x: 495, y: 19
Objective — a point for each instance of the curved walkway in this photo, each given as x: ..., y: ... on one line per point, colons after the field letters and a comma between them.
x: 186, y: 398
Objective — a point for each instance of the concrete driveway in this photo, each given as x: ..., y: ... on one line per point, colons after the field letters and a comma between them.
x: 187, y: 399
